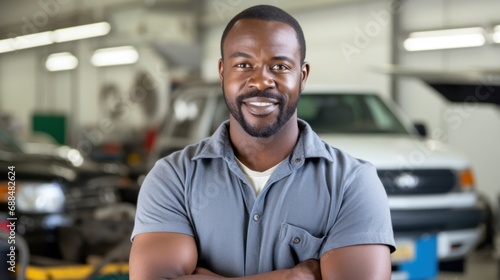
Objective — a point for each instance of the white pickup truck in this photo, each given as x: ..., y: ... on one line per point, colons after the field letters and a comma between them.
x: 430, y: 188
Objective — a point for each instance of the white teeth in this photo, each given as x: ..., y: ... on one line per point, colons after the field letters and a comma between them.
x: 261, y: 104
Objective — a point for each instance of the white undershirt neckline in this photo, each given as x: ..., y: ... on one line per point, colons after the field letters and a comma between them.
x: 257, y: 179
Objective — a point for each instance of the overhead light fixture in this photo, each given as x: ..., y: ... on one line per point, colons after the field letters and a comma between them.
x: 57, y: 36
x: 61, y: 61
x: 445, y: 39
x: 81, y: 32
x: 33, y: 40
x: 7, y: 45
x: 496, y: 34
x: 115, y: 56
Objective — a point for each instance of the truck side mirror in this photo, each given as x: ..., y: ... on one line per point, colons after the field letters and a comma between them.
x: 421, y: 129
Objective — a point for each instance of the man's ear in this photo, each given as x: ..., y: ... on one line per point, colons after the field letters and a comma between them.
x: 221, y: 70
x: 304, y: 73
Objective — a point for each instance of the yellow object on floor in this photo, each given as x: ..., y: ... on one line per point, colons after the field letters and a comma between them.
x: 72, y: 272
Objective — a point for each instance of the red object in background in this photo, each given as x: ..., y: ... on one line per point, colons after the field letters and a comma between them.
x: 112, y: 148
x: 150, y: 139
x: 3, y: 225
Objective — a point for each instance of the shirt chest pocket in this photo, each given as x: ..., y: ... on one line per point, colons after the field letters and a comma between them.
x: 300, y: 242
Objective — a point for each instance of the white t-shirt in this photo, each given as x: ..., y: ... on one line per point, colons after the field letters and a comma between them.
x: 257, y: 179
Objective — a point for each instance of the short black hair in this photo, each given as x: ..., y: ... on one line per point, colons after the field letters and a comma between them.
x: 268, y: 13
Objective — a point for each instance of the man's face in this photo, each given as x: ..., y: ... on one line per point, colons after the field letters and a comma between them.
x: 262, y: 75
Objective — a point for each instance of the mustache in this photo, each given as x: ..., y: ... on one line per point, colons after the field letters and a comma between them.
x: 260, y: 93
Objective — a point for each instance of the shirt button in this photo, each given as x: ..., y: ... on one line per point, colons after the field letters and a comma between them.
x: 297, y: 160
x: 296, y: 240
x: 256, y: 217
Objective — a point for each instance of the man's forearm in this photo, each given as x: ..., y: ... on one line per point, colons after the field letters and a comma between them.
x: 277, y: 274
x: 304, y: 271
x: 274, y: 275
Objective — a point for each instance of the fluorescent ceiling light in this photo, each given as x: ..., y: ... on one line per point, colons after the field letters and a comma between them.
x: 445, y: 39
x: 57, y: 36
x: 7, y: 45
x: 81, y: 32
x: 496, y: 34
x: 115, y: 56
x: 61, y: 61
x: 33, y: 40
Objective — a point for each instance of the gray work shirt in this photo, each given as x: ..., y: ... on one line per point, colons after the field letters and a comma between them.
x: 317, y: 200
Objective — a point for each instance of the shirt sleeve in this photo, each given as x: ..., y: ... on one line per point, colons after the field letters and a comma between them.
x: 364, y: 216
x: 160, y: 205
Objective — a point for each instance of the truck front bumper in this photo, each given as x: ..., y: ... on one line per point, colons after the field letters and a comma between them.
x: 457, y: 230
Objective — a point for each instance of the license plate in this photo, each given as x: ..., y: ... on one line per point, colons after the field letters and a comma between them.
x: 405, y: 251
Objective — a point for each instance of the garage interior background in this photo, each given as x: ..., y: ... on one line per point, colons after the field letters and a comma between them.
x: 349, y: 42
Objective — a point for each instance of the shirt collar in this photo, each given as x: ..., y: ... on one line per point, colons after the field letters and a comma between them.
x: 309, y: 145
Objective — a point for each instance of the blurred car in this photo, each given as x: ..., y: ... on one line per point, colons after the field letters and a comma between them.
x: 430, y: 188
x: 54, y: 187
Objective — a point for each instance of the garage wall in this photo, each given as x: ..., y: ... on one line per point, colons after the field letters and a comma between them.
x: 27, y: 87
x: 469, y: 128
x: 343, y: 40
x: 17, y: 95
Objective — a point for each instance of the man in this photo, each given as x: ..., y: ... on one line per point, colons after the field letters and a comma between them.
x: 264, y: 197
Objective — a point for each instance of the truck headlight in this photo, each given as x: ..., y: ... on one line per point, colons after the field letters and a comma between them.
x: 40, y: 197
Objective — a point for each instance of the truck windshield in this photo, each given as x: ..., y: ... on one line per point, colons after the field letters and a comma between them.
x: 348, y: 113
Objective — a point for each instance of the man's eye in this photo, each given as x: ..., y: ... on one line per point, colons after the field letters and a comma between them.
x: 243, y: 65
x: 279, y: 67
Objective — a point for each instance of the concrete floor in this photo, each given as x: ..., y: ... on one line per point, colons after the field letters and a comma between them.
x: 481, y: 265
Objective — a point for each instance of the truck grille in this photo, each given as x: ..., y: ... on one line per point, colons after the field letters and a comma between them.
x: 422, y: 181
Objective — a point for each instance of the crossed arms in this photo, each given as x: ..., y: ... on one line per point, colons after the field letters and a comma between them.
x: 166, y: 255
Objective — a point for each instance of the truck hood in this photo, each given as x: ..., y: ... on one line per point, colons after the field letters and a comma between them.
x: 397, y: 151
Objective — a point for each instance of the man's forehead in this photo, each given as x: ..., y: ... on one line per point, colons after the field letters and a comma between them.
x: 253, y: 32
x: 260, y: 25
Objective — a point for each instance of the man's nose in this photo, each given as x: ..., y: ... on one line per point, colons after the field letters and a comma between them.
x: 261, y: 79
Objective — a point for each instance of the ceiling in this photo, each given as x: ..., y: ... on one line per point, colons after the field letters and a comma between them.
x: 25, y: 17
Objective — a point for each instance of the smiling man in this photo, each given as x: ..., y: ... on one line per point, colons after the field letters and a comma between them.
x: 264, y: 197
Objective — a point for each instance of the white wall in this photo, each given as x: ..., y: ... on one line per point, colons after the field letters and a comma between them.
x: 343, y: 40
x: 18, y: 77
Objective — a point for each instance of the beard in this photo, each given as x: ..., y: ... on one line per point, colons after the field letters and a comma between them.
x: 284, y: 115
